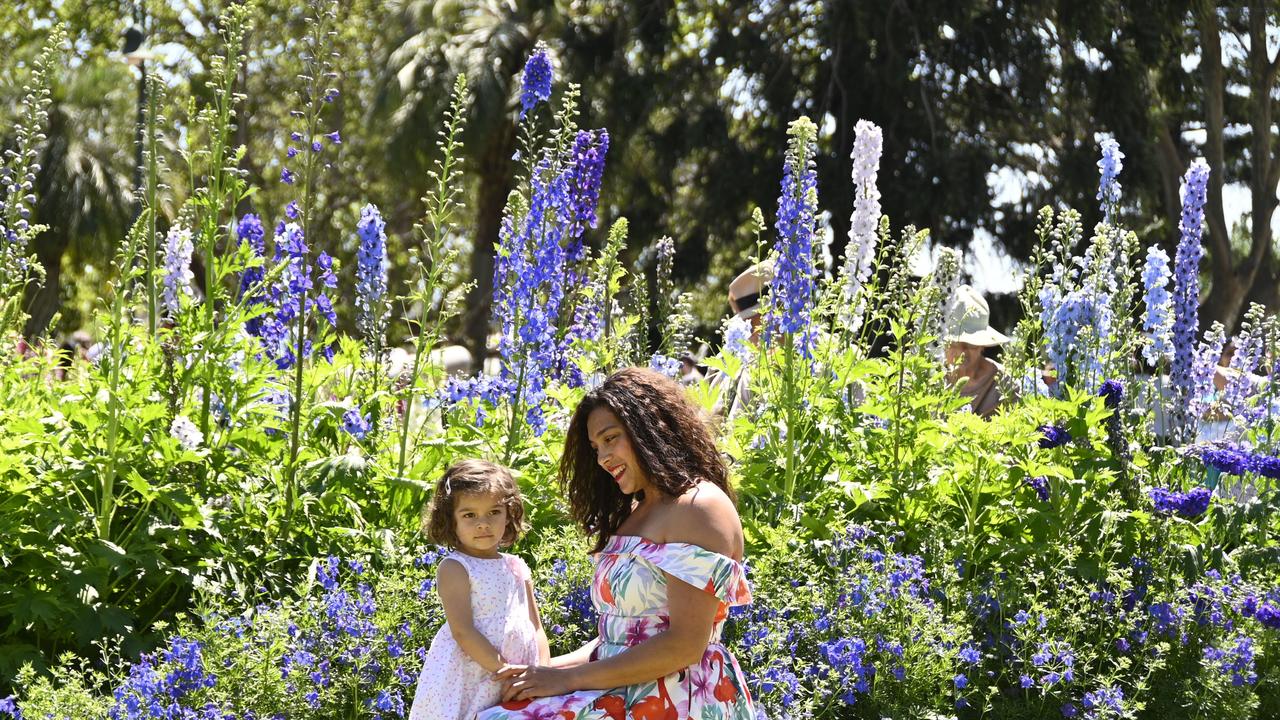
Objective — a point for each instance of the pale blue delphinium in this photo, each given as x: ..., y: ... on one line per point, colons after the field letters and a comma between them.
x: 1157, y: 323
x: 1109, y: 166
x: 176, y: 261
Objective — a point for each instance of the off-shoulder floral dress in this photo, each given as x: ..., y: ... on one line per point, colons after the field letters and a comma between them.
x: 629, y: 592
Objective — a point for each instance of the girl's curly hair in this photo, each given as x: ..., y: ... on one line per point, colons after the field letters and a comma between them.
x: 670, y: 440
x: 473, y: 477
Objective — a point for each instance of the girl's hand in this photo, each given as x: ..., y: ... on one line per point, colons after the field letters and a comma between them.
x: 525, y: 682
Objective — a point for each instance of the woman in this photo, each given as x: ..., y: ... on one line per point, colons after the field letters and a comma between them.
x: 968, y: 334
x: 643, y: 475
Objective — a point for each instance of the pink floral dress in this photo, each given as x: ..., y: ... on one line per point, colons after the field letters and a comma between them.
x: 629, y: 591
x: 452, y: 686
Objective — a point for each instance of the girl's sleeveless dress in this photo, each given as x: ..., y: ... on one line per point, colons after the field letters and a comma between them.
x: 629, y: 591
x: 452, y: 686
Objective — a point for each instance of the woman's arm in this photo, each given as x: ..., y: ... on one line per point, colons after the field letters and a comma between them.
x: 704, y: 517
x: 682, y: 644
x: 544, y: 648
x: 454, y: 586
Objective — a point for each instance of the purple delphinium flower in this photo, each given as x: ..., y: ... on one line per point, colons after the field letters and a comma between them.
x: 355, y: 424
x: 372, y: 267
x: 1112, y: 393
x: 1186, y: 291
x: 864, y: 223
x: 176, y: 260
x: 1235, y: 659
x: 1041, y: 485
x: 1228, y: 459
x: 791, y: 297
x: 1268, y: 613
x: 1164, y: 500
x: 585, y: 173
x: 1053, y: 436
x: 1103, y: 703
x: 536, y: 81
x: 1077, y: 316
x: 1195, y: 502
x: 1109, y: 167
x: 287, y: 177
x: 297, y: 278
x: 1157, y: 323
x: 1190, y: 505
x: 529, y: 286
x: 9, y: 706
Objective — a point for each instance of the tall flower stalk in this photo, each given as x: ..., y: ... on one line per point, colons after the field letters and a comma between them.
x: 1186, y: 295
x: 18, y: 169
x: 860, y: 253
x: 540, y: 261
x: 442, y: 206
x: 791, y: 299
x: 1157, y: 321
x: 1157, y: 324
x: 372, y: 266
x: 177, y: 270
x: 1109, y: 167
x: 315, y: 94
x: 942, y: 285
x: 224, y: 188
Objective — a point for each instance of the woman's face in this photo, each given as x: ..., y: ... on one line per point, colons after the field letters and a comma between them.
x: 962, y: 355
x: 613, y: 450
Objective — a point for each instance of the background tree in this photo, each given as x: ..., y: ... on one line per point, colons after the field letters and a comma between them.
x: 988, y: 112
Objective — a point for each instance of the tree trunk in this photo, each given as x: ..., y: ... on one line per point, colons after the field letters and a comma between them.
x: 43, y: 301
x: 491, y: 198
x: 1234, y: 283
x: 1226, y: 292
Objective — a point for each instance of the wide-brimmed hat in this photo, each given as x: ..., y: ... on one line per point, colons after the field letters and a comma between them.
x: 747, y: 291
x: 968, y: 319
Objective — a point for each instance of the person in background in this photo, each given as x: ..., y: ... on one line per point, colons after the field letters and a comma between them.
x: 689, y: 373
x: 746, y: 293
x: 968, y: 335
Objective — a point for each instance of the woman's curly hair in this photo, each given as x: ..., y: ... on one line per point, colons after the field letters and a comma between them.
x: 472, y: 477
x: 670, y: 440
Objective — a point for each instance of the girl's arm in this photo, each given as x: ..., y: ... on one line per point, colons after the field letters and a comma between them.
x: 544, y: 648
x: 581, y: 656
x: 454, y: 587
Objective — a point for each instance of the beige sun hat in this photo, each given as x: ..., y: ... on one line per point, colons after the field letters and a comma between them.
x: 969, y: 319
x: 747, y: 290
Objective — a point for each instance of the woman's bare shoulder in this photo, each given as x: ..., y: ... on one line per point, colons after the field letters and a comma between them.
x: 705, y: 516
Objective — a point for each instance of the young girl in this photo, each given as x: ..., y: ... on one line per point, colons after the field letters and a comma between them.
x: 491, y: 617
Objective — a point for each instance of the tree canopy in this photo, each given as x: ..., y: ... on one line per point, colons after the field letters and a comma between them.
x: 989, y: 110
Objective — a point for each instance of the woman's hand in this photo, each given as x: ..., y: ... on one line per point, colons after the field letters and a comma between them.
x: 525, y: 682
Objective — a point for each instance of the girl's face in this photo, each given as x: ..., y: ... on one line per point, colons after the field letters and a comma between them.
x: 480, y: 522
x: 613, y: 450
